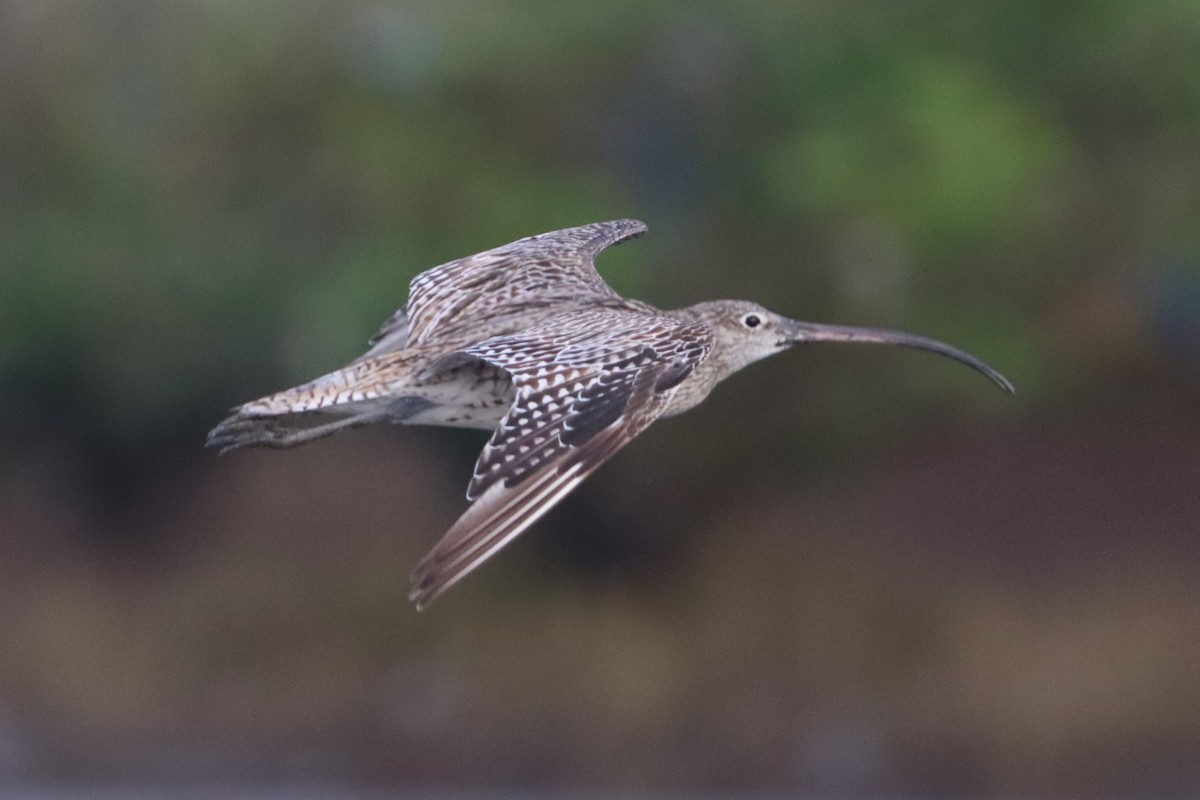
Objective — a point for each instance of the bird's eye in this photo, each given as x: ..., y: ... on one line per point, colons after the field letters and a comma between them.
x: 751, y: 321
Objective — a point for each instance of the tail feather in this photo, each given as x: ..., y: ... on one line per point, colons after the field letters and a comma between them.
x: 250, y: 427
x: 280, y: 431
x: 343, y: 387
x: 369, y: 390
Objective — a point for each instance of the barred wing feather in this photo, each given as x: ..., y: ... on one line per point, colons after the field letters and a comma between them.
x: 587, y: 383
x: 511, y: 280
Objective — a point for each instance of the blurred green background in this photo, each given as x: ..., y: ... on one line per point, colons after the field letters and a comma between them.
x: 850, y: 572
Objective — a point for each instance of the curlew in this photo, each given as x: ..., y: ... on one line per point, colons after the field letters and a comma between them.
x: 528, y: 341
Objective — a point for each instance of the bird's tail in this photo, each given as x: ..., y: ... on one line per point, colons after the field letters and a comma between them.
x: 359, y: 394
x: 284, y: 430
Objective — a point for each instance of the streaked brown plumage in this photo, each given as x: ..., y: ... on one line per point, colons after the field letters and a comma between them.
x: 528, y: 340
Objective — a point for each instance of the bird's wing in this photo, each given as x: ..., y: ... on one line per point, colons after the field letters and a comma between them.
x: 529, y: 273
x: 586, y: 384
x: 391, y: 336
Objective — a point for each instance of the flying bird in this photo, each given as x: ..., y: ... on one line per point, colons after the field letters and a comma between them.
x: 528, y: 341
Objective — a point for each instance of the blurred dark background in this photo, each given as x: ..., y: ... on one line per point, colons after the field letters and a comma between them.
x: 851, y: 572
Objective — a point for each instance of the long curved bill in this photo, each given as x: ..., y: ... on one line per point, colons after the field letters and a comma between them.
x: 796, y: 332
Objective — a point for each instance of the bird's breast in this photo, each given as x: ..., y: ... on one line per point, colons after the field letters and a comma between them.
x: 690, y: 393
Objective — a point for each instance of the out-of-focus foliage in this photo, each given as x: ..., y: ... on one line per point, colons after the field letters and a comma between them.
x: 849, y: 572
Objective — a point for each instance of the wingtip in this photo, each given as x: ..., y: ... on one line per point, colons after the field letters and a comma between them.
x: 616, y: 231
x: 421, y: 588
x: 634, y: 228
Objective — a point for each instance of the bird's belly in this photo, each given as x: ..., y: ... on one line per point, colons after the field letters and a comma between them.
x: 461, y: 415
x: 476, y: 395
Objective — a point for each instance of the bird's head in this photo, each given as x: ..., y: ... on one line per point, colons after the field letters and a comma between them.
x: 745, y: 332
